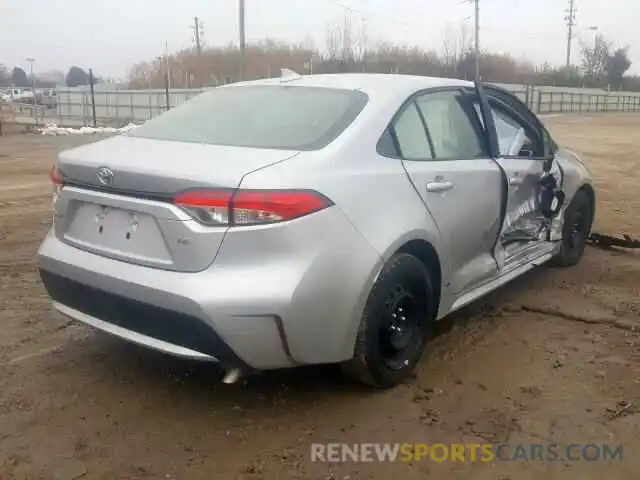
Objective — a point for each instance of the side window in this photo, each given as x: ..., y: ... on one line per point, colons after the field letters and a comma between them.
x: 515, y: 138
x: 386, y: 145
x: 411, y: 136
x: 451, y: 129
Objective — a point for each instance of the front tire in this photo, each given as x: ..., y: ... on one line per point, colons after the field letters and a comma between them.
x: 396, y: 323
x: 575, y: 231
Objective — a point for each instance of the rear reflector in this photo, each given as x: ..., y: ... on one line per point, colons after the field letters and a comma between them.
x: 250, y: 207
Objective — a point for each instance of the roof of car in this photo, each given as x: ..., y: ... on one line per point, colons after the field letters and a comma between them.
x: 367, y: 82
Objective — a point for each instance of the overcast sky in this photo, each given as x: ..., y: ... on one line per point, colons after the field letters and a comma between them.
x: 111, y: 35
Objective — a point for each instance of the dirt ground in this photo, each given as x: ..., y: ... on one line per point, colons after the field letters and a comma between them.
x: 552, y: 357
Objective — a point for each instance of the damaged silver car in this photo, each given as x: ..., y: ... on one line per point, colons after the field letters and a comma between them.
x: 311, y: 219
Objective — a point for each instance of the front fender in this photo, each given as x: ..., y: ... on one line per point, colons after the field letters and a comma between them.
x: 576, y: 173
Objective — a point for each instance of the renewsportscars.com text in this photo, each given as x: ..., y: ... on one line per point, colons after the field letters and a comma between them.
x: 485, y: 453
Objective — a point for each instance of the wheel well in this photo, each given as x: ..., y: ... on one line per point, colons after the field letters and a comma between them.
x: 424, y: 251
x: 588, y: 189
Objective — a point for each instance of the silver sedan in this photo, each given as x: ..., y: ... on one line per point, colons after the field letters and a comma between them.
x: 311, y: 219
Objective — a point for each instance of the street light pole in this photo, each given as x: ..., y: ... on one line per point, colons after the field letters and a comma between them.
x: 594, y: 29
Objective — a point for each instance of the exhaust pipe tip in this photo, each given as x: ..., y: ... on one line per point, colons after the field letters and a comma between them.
x: 232, y: 376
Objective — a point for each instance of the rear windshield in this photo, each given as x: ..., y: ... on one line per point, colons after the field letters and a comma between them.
x: 278, y: 116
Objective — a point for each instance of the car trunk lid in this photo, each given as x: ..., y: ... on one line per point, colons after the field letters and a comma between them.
x: 117, y: 198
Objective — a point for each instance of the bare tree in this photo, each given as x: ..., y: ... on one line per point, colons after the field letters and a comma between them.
x: 465, y: 40
x: 361, y: 46
x: 594, y: 59
x: 449, y: 45
x: 346, y: 40
x: 333, y: 42
x: 347, y: 50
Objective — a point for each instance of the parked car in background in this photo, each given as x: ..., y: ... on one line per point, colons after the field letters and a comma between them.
x: 311, y: 219
x: 13, y: 94
x: 49, y: 98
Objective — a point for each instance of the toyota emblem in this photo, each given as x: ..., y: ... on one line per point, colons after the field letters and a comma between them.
x: 105, y: 175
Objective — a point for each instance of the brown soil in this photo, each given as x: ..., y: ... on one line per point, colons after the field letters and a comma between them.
x: 549, y: 358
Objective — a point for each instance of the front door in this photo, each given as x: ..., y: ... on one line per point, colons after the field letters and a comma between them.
x: 443, y: 153
x: 523, y: 233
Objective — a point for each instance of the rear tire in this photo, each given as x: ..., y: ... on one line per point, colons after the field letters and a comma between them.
x: 575, y: 231
x: 396, y: 323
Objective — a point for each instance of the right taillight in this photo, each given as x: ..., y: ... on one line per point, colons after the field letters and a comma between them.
x: 249, y: 207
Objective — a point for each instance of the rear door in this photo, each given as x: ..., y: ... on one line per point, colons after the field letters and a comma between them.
x: 440, y: 143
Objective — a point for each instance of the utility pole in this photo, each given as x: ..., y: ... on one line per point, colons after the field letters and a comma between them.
x: 477, y: 38
x: 167, y: 62
x: 197, y: 38
x: 242, y: 37
x: 570, y: 21
x: 93, y: 98
x: 33, y: 79
x: 196, y: 30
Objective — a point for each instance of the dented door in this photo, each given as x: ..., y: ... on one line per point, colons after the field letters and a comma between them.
x: 523, y: 165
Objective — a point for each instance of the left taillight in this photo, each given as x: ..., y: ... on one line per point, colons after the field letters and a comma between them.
x: 56, y: 182
x: 249, y: 207
x: 56, y: 178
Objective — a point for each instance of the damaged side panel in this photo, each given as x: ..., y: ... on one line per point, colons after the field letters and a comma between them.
x: 532, y: 183
x: 533, y: 217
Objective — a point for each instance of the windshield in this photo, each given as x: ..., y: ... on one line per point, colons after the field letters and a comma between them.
x: 265, y: 116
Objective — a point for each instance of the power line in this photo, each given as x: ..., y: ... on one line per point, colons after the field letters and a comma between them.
x: 386, y: 19
x: 570, y: 22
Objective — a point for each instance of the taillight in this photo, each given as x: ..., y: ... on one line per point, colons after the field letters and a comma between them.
x: 210, y: 207
x: 250, y: 207
x: 56, y: 181
x: 56, y: 178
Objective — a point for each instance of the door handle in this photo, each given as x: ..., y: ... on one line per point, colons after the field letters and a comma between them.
x: 439, y: 186
x: 515, y: 180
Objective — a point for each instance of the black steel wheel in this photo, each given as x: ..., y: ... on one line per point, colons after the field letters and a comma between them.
x: 396, y: 324
x: 577, y: 227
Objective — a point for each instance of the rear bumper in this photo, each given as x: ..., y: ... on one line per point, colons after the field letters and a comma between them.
x: 157, y: 309
x: 154, y: 327
x: 260, y: 308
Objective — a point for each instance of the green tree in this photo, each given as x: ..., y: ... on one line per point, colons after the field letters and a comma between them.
x: 76, y: 76
x: 19, y: 77
x: 616, y: 67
